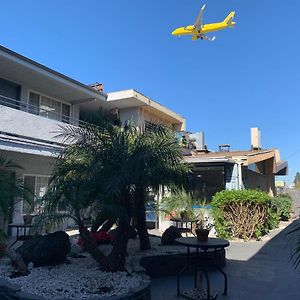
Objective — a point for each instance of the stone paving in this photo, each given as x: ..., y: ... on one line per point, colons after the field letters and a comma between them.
x: 256, y: 269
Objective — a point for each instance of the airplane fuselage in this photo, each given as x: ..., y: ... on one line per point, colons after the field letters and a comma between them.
x: 191, y: 30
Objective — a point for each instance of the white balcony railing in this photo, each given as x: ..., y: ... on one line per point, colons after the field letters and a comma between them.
x: 35, y: 110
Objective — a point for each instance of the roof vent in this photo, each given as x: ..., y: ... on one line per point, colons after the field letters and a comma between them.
x: 97, y: 86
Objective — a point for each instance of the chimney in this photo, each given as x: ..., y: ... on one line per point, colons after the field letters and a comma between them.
x: 255, y: 139
x: 97, y: 86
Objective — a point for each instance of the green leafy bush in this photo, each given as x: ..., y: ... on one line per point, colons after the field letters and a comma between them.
x: 282, y: 204
x: 242, y: 214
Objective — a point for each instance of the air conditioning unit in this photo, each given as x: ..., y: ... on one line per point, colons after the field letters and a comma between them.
x: 198, y: 140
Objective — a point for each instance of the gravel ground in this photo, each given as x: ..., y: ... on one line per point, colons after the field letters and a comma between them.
x: 81, y: 278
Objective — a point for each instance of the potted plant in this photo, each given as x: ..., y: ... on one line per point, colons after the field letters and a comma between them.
x: 27, y: 218
x: 203, y: 228
x: 178, y: 203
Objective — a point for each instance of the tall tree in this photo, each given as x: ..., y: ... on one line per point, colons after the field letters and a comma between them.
x: 297, y: 180
x: 110, y: 168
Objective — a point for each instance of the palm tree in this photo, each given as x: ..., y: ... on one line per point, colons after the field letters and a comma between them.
x: 110, y: 168
x: 157, y: 161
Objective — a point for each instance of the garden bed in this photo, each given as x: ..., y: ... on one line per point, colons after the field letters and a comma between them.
x: 81, y: 278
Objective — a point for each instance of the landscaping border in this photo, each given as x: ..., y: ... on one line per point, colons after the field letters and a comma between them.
x: 9, y: 291
x: 171, y: 264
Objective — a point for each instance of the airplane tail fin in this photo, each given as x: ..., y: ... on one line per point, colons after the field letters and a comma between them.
x: 229, y: 19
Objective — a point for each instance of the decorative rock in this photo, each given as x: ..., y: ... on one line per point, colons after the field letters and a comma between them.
x: 48, y: 250
x: 81, y: 279
x: 169, y: 236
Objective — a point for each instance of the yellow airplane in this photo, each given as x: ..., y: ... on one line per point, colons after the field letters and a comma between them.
x: 198, y: 30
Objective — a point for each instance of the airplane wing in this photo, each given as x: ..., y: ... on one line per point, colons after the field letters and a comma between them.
x: 198, y: 22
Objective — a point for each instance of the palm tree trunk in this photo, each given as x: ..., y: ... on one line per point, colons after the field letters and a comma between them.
x: 107, y: 225
x: 91, y: 246
x: 117, y: 257
x: 140, y: 218
x: 99, y: 221
x: 102, y: 223
x: 115, y: 261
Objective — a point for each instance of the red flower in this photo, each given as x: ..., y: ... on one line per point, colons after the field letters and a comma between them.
x: 101, y: 237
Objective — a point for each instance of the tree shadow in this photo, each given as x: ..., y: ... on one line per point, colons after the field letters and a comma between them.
x: 263, y: 270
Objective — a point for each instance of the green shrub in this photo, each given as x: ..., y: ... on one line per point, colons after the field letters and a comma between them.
x: 282, y: 204
x: 242, y: 213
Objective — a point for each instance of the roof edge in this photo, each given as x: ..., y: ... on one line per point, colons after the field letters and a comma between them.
x: 47, y: 69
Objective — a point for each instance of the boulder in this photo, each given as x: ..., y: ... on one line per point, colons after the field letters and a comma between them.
x: 169, y: 236
x: 46, y: 250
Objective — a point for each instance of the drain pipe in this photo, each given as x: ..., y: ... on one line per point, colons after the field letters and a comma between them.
x: 240, y: 175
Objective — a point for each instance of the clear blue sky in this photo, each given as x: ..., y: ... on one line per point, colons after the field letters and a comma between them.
x: 248, y: 77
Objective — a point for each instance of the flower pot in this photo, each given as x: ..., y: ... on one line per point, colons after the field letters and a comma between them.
x: 202, y: 235
x: 27, y: 219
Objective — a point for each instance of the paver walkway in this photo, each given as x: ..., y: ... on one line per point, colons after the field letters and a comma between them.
x: 256, y: 271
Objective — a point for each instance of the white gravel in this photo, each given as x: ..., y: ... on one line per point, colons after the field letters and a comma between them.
x: 82, y: 278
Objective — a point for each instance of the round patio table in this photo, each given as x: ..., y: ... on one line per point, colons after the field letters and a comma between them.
x: 184, y: 225
x: 23, y: 227
x: 196, y: 260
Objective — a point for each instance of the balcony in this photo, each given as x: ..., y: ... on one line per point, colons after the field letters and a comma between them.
x: 32, y: 109
x: 29, y: 121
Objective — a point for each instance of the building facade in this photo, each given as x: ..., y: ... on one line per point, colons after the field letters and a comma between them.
x: 36, y: 102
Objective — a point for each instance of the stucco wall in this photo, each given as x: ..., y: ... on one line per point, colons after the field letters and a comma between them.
x: 22, y: 123
x: 132, y: 115
x: 262, y: 182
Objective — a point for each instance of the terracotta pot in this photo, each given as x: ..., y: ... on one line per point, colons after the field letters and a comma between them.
x: 27, y: 219
x: 202, y: 234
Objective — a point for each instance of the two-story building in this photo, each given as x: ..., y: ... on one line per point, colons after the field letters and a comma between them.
x: 35, y: 101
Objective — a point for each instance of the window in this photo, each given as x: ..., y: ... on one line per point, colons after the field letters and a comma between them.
x: 9, y: 94
x: 49, y: 107
x: 38, y: 185
x: 34, y: 103
x: 65, y: 113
